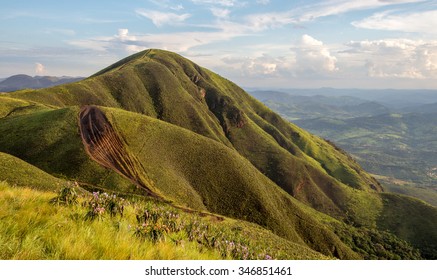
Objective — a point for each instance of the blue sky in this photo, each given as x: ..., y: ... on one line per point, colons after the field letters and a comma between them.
x: 260, y: 43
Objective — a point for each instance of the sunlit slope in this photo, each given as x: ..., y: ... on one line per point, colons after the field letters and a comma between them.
x: 168, y: 87
x: 18, y: 172
x: 13, y: 107
x: 50, y: 140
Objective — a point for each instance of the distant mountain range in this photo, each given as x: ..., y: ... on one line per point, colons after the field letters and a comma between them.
x: 397, y: 144
x: 22, y: 81
x: 391, y: 98
x: 294, y: 107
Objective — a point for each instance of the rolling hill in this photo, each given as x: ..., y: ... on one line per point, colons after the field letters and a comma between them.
x: 157, y: 125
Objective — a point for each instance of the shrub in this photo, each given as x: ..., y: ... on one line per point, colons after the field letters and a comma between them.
x: 101, y: 203
x: 156, y: 223
x: 67, y: 195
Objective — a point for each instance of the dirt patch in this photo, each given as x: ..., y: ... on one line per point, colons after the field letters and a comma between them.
x: 104, y: 146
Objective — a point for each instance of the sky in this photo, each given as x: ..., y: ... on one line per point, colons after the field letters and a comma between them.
x: 257, y: 44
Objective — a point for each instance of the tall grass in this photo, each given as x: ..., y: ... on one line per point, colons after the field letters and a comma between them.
x: 32, y: 228
x: 38, y: 225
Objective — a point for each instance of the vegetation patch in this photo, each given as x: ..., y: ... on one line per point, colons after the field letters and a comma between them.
x: 33, y: 227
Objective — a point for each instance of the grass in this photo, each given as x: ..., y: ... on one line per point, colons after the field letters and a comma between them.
x: 33, y: 228
x: 50, y: 141
x: 21, y: 173
x: 180, y: 166
x: 412, y: 220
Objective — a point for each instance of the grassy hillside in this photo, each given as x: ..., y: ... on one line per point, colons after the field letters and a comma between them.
x: 398, y: 148
x: 171, y: 129
x: 21, y: 173
x: 426, y: 194
x: 31, y: 227
x: 50, y: 140
x: 411, y: 220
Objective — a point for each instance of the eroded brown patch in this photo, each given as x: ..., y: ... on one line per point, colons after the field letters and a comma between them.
x: 104, y: 146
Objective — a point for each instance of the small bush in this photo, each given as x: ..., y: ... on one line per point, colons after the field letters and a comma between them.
x: 153, y: 232
x: 67, y: 195
x: 156, y: 223
x: 101, y: 203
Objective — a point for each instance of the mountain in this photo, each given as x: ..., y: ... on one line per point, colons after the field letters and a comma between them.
x: 159, y: 126
x: 18, y: 82
x: 293, y: 107
x: 426, y: 108
x: 394, y: 99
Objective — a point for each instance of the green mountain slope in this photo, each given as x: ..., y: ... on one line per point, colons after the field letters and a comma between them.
x: 21, y: 173
x: 171, y: 129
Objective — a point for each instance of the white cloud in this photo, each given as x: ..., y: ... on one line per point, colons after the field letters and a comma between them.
x: 336, y: 7
x: 224, y: 3
x: 307, y: 58
x: 260, y: 22
x: 258, y: 65
x: 313, y: 57
x: 413, y: 22
x: 396, y: 58
x: 178, y: 7
x: 166, y: 4
x: 271, y: 20
x: 220, y: 12
x: 39, y: 69
x: 99, y: 44
x: 129, y: 43
x: 263, y: 2
x: 159, y: 18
